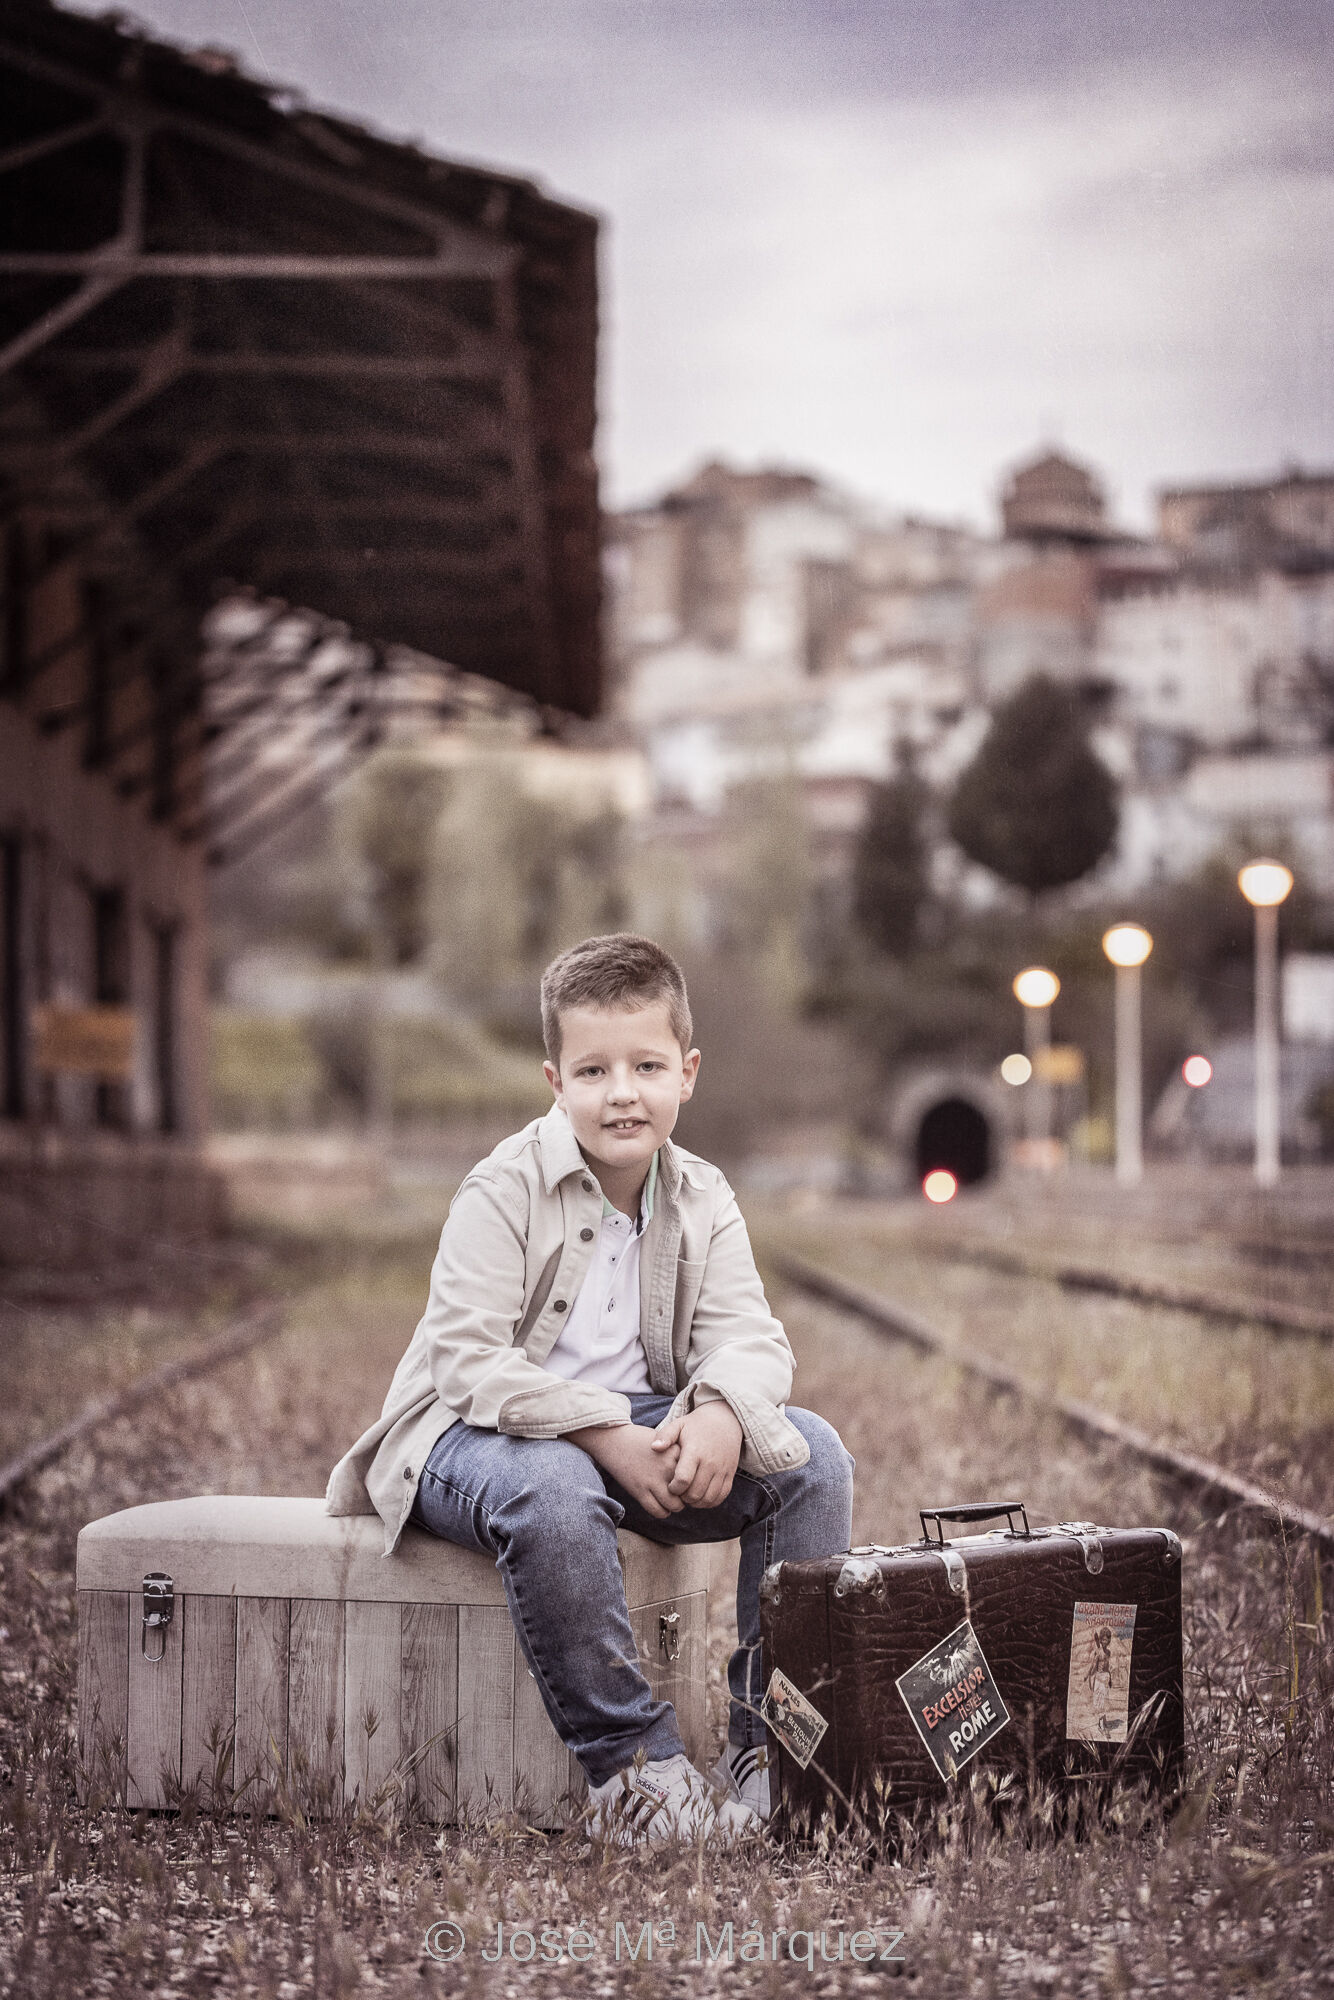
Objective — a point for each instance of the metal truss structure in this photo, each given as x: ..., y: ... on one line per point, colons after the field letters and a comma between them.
x: 243, y: 344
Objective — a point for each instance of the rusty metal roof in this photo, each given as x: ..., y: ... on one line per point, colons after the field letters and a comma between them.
x: 245, y: 342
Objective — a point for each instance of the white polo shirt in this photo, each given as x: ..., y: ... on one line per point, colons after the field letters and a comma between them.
x: 600, y: 1341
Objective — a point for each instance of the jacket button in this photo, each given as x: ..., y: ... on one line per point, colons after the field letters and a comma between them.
x: 560, y: 1305
x: 407, y: 1472
x: 587, y: 1186
x: 585, y: 1236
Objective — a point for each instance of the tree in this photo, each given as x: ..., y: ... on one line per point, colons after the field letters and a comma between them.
x: 393, y: 807
x: 891, y: 867
x: 1036, y: 806
x: 515, y: 878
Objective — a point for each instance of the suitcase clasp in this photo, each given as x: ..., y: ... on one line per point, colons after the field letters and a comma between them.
x: 159, y: 1602
x: 954, y: 1567
x: 1088, y: 1535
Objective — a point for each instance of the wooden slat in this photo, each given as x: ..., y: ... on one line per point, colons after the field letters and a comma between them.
x: 262, y: 1625
x: 430, y: 1709
x: 208, y: 1694
x: 104, y: 1618
x: 541, y: 1761
x: 315, y: 1699
x: 372, y: 1731
x: 153, y: 1722
x: 578, y: 1784
x: 486, y: 1710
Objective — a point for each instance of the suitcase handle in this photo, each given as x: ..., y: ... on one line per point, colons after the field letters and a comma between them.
x: 972, y: 1510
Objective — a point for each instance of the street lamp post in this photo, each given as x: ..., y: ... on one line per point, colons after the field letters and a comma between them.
x: 1035, y: 988
x: 1265, y: 884
x: 1127, y: 946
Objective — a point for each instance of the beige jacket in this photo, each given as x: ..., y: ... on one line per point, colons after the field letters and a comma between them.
x: 513, y: 1253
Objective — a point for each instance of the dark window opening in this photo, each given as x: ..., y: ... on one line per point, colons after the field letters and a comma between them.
x: 14, y: 612
x: 97, y: 741
x: 163, y: 766
x: 111, y: 988
x: 13, y: 1092
x: 955, y: 1135
x: 164, y: 1027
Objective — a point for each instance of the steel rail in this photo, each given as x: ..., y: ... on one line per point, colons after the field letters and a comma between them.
x: 900, y: 1323
x: 1274, y: 1318
x: 265, y: 1322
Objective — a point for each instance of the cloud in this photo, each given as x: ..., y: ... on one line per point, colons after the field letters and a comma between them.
x: 913, y: 294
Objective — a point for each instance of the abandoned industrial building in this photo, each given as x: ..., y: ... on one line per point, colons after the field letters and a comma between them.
x: 245, y: 348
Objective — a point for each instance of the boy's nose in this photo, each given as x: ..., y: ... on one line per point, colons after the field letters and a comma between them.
x: 624, y: 1090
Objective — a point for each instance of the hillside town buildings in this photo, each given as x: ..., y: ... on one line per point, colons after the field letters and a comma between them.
x: 766, y: 622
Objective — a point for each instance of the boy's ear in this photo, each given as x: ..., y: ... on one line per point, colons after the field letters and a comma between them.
x: 552, y: 1075
x: 689, y: 1072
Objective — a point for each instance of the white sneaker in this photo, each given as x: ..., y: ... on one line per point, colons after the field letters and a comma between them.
x: 662, y: 1800
x: 742, y: 1775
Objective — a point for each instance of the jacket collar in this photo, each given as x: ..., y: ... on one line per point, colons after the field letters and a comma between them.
x: 560, y: 1155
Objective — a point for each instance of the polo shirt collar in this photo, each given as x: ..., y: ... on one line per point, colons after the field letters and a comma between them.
x: 645, y: 1216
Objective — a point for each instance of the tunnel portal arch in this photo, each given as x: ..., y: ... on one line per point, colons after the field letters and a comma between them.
x: 954, y: 1133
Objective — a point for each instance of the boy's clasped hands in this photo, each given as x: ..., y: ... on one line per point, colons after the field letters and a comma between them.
x: 689, y: 1461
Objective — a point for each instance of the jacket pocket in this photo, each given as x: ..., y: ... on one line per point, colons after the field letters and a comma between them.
x: 689, y: 1278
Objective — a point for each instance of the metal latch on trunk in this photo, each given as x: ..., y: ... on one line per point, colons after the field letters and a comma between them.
x: 669, y: 1634
x: 1089, y: 1536
x: 159, y: 1603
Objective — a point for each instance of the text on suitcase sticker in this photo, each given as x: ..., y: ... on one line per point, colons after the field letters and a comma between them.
x: 796, y: 1722
x: 1097, y: 1702
x: 953, y: 1701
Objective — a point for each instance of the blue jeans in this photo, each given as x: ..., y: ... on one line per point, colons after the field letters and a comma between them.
x: 549, y: 1514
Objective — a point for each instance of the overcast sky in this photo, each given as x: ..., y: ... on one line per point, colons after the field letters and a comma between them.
x: 900, y: 242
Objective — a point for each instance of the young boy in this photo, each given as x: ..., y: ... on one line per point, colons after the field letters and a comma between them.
x: 597, y: 1351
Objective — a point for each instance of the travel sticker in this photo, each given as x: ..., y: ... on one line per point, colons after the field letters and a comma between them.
x: 953, y: 1701
x: 796, y: 1722
x: 1097, y: 1703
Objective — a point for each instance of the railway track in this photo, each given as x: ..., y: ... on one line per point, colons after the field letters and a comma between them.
x: 1213, y: 1482
x: 265, y: 1322
x: 1215, y: 1306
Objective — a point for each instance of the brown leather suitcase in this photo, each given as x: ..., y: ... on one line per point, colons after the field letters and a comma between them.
x: 1050, y: 1653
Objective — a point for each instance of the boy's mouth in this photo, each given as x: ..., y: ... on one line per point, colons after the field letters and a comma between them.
x: 625, y: 1125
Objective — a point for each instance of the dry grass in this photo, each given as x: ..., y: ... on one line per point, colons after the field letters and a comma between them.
x: 1225, y: 1899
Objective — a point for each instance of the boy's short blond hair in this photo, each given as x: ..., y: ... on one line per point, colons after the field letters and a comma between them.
x: 619, y: 970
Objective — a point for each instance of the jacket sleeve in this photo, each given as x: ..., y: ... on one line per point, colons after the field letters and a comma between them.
x: 472, y: 1316
x: 738, y: 1351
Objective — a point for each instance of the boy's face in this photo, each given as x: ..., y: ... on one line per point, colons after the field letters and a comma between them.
x: 622, y: 1080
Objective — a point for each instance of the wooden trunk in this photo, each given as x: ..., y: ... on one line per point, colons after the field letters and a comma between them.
x: 300, y: 1662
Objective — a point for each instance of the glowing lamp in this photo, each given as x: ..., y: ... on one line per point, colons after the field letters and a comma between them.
x: 1127, y: 944
x: 1036, y: 987
x: 1197, y: 1071
x: 1265, y: 884
x: 940, y: 1185
x: 1016, y: 1069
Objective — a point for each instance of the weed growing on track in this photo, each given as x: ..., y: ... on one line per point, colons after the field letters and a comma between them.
x: 1225, y: 1897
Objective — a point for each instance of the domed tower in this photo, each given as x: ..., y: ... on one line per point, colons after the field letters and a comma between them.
x: 1054, y: 500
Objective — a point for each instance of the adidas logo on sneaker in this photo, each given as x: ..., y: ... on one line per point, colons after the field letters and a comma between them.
x: 742, y: 1774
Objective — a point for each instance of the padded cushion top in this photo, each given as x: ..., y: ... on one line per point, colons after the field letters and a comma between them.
x: 244, y: 1545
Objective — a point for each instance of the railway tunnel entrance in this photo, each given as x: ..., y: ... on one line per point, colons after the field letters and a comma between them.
x: 955, y: 1135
